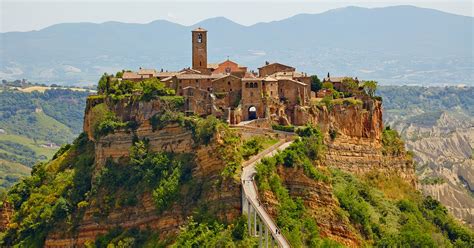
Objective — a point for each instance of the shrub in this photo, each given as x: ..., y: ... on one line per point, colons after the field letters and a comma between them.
x: 251, y: 147
x: 327, y: 85
x: 108, y: 125
x: 152, y: 88
x: 392, y: 143
x: 283, y: 128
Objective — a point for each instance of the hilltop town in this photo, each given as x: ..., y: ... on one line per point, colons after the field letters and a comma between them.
x: 217, y: 155
x: 234, y: 93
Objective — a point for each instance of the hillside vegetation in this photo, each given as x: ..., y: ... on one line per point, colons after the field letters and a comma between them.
x: 383, y: 211
x: 33, y: 126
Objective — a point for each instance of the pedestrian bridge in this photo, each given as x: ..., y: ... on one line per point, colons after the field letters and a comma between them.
x: 260, y: 223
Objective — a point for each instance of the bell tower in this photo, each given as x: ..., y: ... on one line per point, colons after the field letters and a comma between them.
x: 199, y: 37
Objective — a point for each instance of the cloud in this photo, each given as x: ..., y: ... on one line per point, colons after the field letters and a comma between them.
x: 70, y: 68
x: 11, y: 73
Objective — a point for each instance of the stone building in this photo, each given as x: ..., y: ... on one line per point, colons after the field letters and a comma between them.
x: 231, y: 92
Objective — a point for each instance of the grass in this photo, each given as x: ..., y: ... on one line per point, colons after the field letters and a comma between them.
x: 393, y: 187
x: 10, y: 172
x: 35, y: 146
x: 38, y: 126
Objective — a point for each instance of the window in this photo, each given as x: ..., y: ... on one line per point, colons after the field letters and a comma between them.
x: 227, y: 70
x: 228, y: 83
x: 271, y: 93
x: 199, y: 38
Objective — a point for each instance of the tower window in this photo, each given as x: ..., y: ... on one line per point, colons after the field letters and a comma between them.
x: 199, y: 38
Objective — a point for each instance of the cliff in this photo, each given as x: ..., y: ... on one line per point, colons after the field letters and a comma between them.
x: 353, y: 135
x: 208, y: 188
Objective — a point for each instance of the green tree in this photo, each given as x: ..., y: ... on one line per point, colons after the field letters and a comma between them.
x: 370, y: 87
x: 316, y: 83
x: 328, y: 85
x: 350, y: 84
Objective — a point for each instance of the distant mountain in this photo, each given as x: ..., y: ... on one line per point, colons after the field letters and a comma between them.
x: 401, y: 44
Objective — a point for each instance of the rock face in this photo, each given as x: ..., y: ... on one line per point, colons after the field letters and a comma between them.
x: 222, y: 196
x: 319, y: 199
x: 353, y: 135
x: 444, y: 150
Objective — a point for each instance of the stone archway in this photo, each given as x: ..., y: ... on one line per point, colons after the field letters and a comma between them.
x: 252, y: 112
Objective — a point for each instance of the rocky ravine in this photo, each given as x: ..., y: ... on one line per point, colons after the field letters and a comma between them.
x: 444, y: 150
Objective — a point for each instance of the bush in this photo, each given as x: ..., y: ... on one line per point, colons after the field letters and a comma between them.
x: 108, y: 126
x: 152, y: 88
x: 283, y: 128
x: 392, y: 143
x: 251, y: 147
x: 162, y: 174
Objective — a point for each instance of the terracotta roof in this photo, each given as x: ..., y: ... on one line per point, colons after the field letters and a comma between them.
x: 276, y: 64
x: 292, y: 80
x: 147, y: 71
x: 166, y: 79
x: 199, y: 29
x: 229, y: 61
x: 249, y: 75
x: 199, y: 76
x: 334, y: 79
x: 224, y: 76
x: 270, y: 79
x: 292, y: 74
x: 189, y: 71
x: 252, y: 79
x: 133, y: 75
x: 212, y: 66
x: 167, y: 73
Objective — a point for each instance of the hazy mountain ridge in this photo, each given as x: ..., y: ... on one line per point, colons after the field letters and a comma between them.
x: 394, y: 44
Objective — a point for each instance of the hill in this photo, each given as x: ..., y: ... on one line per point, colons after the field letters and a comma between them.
x: 400, y: 44
x: 34, y: 125
x: 437, y: 124
x: 145, y: 174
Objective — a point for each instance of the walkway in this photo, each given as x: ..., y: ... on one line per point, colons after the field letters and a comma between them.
x: 251, y: 204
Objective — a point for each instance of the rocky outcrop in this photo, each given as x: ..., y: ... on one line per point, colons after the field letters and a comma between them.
x: 221, y: 196
x: 353, y: 135
x: 322, y: 204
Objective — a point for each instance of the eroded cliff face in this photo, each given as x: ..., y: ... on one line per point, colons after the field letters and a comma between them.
x: 443, y: 150
x: 353, y: 135
x: 319, y: 199
x: 353, y: 139
x: 221, y: 196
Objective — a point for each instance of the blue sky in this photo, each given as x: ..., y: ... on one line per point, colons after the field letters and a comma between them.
x: 21, y: 15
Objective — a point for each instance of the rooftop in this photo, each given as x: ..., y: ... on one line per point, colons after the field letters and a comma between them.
x: 199, y: 29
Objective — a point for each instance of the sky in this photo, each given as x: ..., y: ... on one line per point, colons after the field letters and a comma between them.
x: 27, y: 15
